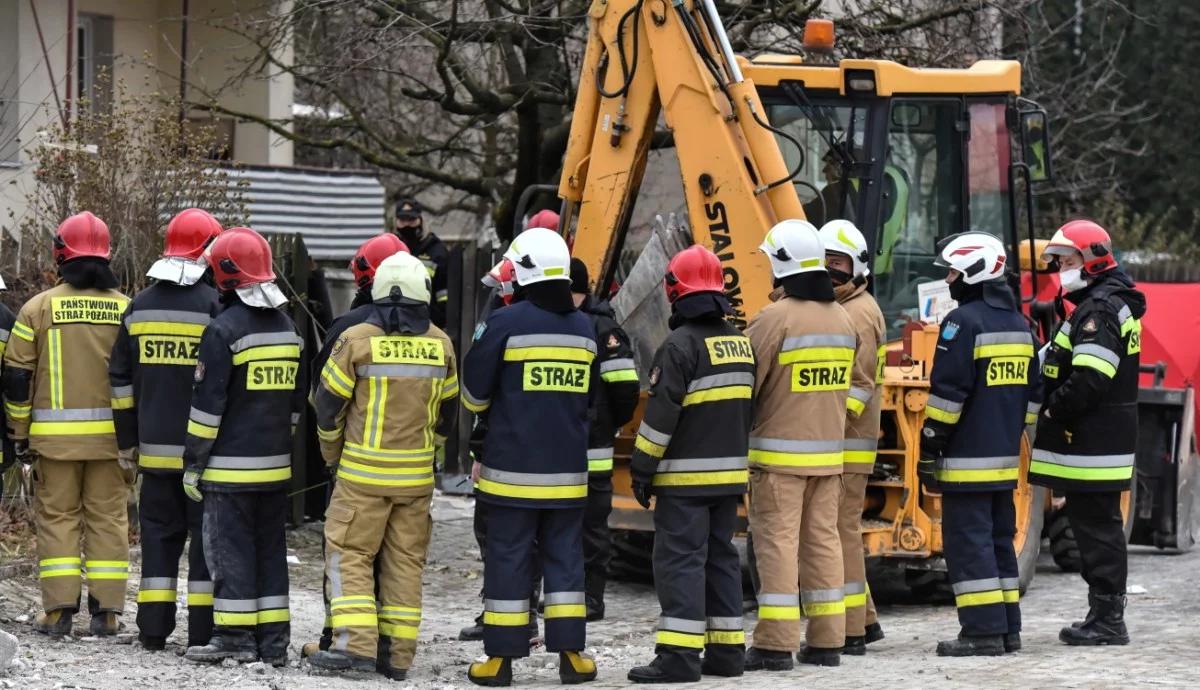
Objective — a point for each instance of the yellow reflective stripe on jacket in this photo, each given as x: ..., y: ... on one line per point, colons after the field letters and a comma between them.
x: 17, y: 410
x: 1003, y: 350
x: 701, y: 478
x: 22, y: 331
x: 817, y: 354
x: 202, y: 430
x: 738, y: 392
x: 160, y: 462
x: 649, y: 447
x: 89, y: 428
x: 54, y: 350
x: 855, y: 406
x: 336, y: 380
x: 261, y: 352
x: 166, y: 328
x: 385, y: 476
x: 532, y: 492
x: 449, y: 388
x: 277, y: 474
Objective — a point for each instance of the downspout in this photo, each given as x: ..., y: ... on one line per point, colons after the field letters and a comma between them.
x: 67, y: 90
x: 183, y: 58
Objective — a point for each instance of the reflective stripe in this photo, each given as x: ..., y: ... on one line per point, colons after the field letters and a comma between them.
x: 718, y: 380
x: 1033, y: 408
x: 400, y: 612
x: 273, y: 616
x: 71, y: 428
x: 1088, y: 461
x: 599, y: 453
x: 617, y: 364
x: 235, y: 605
x: 278, y: 601
x: 718, y: 394
x: 702, y: 464
x: 122, y: 391
x: 197, y: 429
x: 22, y: 331
x: 336, y: 380
x: 980, y: 585
x: 186, y: 330
x: 1098, y: 468
x: 422, y: 371
x: 54, y: 348
x: 253, y: 340
x: 1010, y: 583
x: 723, y: 622
x: 157, y: 596
x: 441, y: 295
x: 60, y: 567
x: 856, y: 594
x: 471, y: 402
x: 790, y: 453
x: 855, y: 406
x: 249, y: 462
x: 984, y: 469
x: 1093, y: 362
x: 817, y: 348
x: 798, y: 342
x: 413, y: 458
x: 532, y: 486
x: 258, y: 354
x: 107, y: 570
x: 157, y: 456
x: 378, y: 476
x: 234, y: 618
x: 17, y: 410
x: 74, y: 415
x: 532, y: 478
x: 551, y: 340
x: 653, y: 435
x: 860, y: 450
x: 200, y: 593
x: 158, y: 583
x: 1012, y: 596
x: 398, y: 630
x: 506, y: 605
x: 860, y: 394
x: 354, y: 620
x: 4, y: 335
x: 823, y: 602
x: 600, y: 459
x: 994, y: 596
x: 725, y: 637
x: 352, y: 601
x: 1098, y: 351
x: 555, y: 346
x: 677, y: 639
x: 779, y: 607
x: 701, y: 478
x: 681, y: 625
x: 564, y: 611
x: 204, y: 418
x: 1004, y: 344
x: 506, y: 619
x: 143, y: 315
x: 247, y: 476
x: 943, y: 410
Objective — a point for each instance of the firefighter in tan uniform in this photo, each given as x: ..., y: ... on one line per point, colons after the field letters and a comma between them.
x: 846, y: 261
x: 387, y: 399
x: 804, y: 346
x: 58, y: 400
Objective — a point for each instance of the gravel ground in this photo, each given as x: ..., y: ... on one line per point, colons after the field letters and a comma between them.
x: 1162, y: 622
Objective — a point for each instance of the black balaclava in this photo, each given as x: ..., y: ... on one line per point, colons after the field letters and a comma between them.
x: 811, y: 285
x: 551, y: 295
x: 699, y: 306
x: 88, y: 272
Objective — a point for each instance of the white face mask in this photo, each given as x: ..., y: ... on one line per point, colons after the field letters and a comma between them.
x: 1072, y: 279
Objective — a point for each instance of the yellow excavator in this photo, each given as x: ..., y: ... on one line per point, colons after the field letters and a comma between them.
x: 910, y: 155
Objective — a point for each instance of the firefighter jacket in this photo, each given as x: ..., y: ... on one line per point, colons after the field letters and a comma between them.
x: 1087, y: 438
x: 387, y: 398
x: 355, y: 316
x: 7, y: 319
x: 866, y: 377
x: 983, y: 390
x: 248, y: 395
x: 153, y: 360
x: 56, y: 391
x: 616, y: 396
x: 804, y: 352
x: 693, y: 436
x: 432, y: 252
x: 532, y: 370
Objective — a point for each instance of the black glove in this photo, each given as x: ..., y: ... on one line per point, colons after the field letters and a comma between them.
x: 931, y: 449
x: 641, y: 493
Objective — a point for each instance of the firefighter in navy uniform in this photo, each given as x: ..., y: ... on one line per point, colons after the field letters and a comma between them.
x: 429, y: 248
x: 387, y: 397
x: 150, y: 371
x: 59, y: 408
x: 248, y: 396
x: 690, y: 452
x: 534, y: 360
x: 366, y: 259
x: 1087, y: 434
x: 983, y: 390
x: 846, y: 256
x: 612, y: 407
x: 8, y: 458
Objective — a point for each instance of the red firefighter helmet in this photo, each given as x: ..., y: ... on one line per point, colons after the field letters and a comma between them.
x: 1087, y: 238
x: 83, y: 234
x: 189, y: 232
x: 503, y: 276
x: 239, y: 257
x: 371, y: 253
x: 543, y: 219
x: 693, y: 270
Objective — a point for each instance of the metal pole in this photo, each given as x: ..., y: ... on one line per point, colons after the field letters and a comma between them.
x: 37, y: 24
x: 67, y: 90
x: 735, y: 72
x: 183, y: 58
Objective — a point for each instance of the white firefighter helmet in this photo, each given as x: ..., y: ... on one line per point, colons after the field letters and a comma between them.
x: 794, y: 246
x: 978, y: 256
x: 539, y: 255
x: 404, y: 272
x: 842, y: 237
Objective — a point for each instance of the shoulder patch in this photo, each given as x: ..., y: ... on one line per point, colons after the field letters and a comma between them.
x: 479, y: 330
x: 198, y: 376
x: 1089, y: 326
x: 338, y: 346
x: 950, y: 330
x: 654, y: 376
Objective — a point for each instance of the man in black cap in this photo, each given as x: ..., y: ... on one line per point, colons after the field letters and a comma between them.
x: 427, y: 247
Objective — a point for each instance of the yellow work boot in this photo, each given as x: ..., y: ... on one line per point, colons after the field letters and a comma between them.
x: 104, y: 624
x: 496, y: 672
x: 57, y: 622
x: 309, y: 649
x: 575, y: 668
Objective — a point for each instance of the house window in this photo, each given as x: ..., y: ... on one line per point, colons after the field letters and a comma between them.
x: 94, y: 61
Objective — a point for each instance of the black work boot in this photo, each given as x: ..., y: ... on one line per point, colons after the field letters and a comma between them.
x: 391, y: 672
x: 472, y: 633
x: 595, y: 609
x: 104, y: 624
x: 729, y: 667
x: 1107, y: 627
x: 151, y: 643
x: 1012, y: 642
x: 874, y: 632
x: 855, y: 646
x: 1091, y: 614
x: 575, y: 668
x: 335, y: 660
x: 768, y: 660
x: 56, y: 623
x: 220, y: 648
x: 593, y: 587
x: 983, y: 645
x: 819, y: 656
x: 657, y: 672
x: 496, y: 672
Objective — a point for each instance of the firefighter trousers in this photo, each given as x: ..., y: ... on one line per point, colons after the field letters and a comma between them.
x: 88, y: 500
x: 698, y: 579
x: 597, y: 542
x: 860, y: 609
x: 167, y: 519
x: 480, y: 526
x: 799, y: 558
x: 516, y: 538
x: 361, y: 530
x: 1099, y: 527
x: 244, y: 543
x: 977, y: 538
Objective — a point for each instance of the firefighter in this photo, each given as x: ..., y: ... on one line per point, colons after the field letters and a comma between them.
x: 612, y: 407
x: 502, y: 276
x: 534, y: 360
x: 367, y: 258
x: 1087, y: 433
x: 7, y: 457
x: 846, y: 257
x: 387, y: 397
x: 58, y: 403
x: 804, y: 346
x: 983, y: 390
x: 150, y: 371
x: 690, y: 452
x: 248, y: 395
x: 428, y: 247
